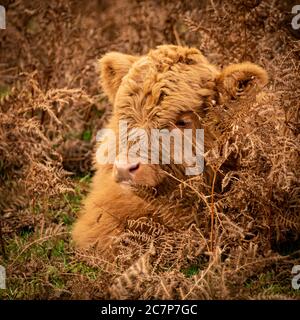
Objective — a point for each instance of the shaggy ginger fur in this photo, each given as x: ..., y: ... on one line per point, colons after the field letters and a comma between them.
x: 154, y: 91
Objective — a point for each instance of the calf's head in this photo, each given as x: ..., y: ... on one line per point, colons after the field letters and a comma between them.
x: 169, y: 90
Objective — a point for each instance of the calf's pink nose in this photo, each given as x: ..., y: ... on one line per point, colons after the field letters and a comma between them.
x: 124, y: 171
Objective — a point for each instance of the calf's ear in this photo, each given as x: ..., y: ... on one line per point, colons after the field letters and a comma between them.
x: 113, y: 67
x: 241, y: 80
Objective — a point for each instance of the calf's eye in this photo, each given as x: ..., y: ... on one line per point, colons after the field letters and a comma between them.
x: 181, y: 123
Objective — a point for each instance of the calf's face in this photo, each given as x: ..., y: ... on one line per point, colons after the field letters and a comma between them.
x: 170, y: 90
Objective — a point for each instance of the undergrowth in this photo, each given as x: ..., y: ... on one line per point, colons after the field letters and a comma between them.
x: 51, y: 107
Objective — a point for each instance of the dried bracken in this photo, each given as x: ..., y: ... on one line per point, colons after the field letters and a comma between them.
x: 245, y: 226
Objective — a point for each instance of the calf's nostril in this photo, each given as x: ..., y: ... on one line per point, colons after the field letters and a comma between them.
x: 134, y: 167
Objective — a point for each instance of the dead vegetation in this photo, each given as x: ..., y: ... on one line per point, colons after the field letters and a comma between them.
x: 245, y: 236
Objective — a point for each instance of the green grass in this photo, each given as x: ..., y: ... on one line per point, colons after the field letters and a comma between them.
x: 191, y: 271
x: 41, y: 262
x: 87, y: 135
x: 4, y: 91
x: 268, y: 284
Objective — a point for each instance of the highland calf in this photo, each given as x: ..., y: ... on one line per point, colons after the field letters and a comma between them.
x: 170, y: 87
